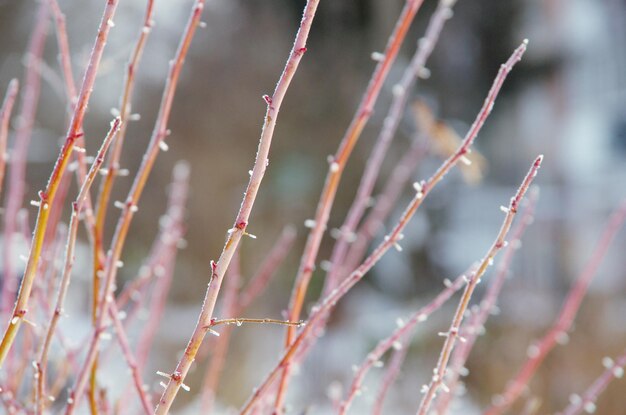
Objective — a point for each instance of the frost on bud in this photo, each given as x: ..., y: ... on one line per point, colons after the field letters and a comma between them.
x: 422, y: 317
x: 562, y: 338
x: 397, y: 345
x: 447, y: 283
x: 590, y: 407
x: 575, y: 399
x: 504, y: 209
x: 163, y: 146
x: 334, y: 167
x: 326, y: 265
x: 334, y: 391
x: 378, y: 57
x: 398, y: 90
x: 465, y: 160
x: 532, y: 351
x: 447, y: 13
x: 110, y: 23
x: 607, y: 362
x: 424, y: 388
x: 418, y: 187
x: 79, y: 149
x: 618, y: 372
x: 400, y: 322
x: 424, y: 73
x: 309, y: 223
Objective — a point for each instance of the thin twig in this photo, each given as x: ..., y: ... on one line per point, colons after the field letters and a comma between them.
x: 47, y: 197
x: 131, y: 360
x: 238, y: 230
x: 236, y: 303
x: 229, y: 308
x: 337, y: 164
x: 395, y: 339
x: 113, y: 169
x: 17, y: 164
x: 393, y: 370
x: 129, y: 208
x: 452, y: 335
x: 476, y: 322
x: 401, y: 93
x: 77, y: 206
x: 563, y: 323
x: 587, y: 402
x: 5, y: 116
x: 385, y: 202
x: 240, y: 320
x: 161, y: 265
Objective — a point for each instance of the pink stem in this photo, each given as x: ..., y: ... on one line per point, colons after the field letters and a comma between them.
x: 477, y: 321
x: 77, y: 207
x: 130, y: 206
x: 5, y: 116
x: 563, y: 323
x: 393, y: 370
x: 326, y: 305
x: 337, y: 164
x: 392, y: 121
x: 452, y: 334
x: 17, y: 164
x: 241, y: 222
x: 587, y: 401
x: 402, y: 332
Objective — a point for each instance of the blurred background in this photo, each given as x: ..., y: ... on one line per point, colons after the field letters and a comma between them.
x: 565, y: 99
